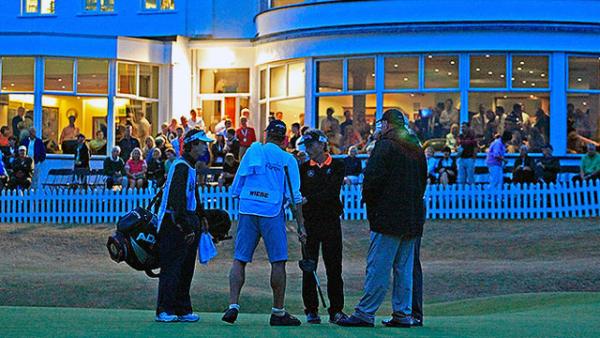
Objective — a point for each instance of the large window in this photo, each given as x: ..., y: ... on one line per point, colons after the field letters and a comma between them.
x: 402, y: 72
x: 441, y: 71
x: 137, y: 101
x: 17, y: 74
x: 282, y: 97
x: 92, y: 76
x: 583, y: 103
x: 37, y: 7
x: 99, y: 5
x: 163, y: 5
x: 236, y: 80
x: 58, y: 75
x: 520, y: 106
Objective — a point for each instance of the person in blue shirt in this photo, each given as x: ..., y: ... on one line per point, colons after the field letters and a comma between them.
x: 260, y: 186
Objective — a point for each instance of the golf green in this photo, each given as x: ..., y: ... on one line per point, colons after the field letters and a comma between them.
x: 522, y: 315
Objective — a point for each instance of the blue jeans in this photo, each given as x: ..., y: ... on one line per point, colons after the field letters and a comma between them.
x: 496, y: 177
x: 387, y: 252
x: 466, y: 170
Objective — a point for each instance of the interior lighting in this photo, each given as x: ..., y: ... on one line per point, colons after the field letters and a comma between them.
x: 579, y: 79
x: 395, y: 65
x: 584, y: 103
x: 502, y: 76
x: 490, y: 73
x: 522, y: 63
x: 12, y: 84
x: 96, y: 103
x: 63, y: 87
x: 506, y: 96
x: 21, y: 98
x: 412, y: 95
x: 519, y: 68
x: 373, y: 75
x: 524, y: 81
x: 59, y: 79
x: 452, y: 62
x: 429, y: 56
x: 477, y: 69
x: 487, y: 55
x: 449, y: 73
x: 531, y: 72
x: 94, y: 75
x: 533, y: 84
x: 405, y: 79
x: 437, y: 70
x: 542, y: 75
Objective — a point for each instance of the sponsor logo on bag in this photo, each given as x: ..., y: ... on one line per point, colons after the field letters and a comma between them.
x: 146, y: 238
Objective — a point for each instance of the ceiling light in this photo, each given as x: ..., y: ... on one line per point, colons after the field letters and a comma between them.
x: 519, y: 68
x: 524, y: 81
x: 477, y: 69
x: 533, y: 84
x: 531, y: 72
x: 405, y: 79
x: 502, y: 76
x: 542, y: 75
x: 490, y: 73
x: 437, y: 70
x: 429, y: 56
x: 579, y: 79
x: 452, y: 62
x: 59, y: 79
x: 522, y: 62
x: 487, y: 55
x: 373, y: 75
x: 449, y: 73
x: 395, y: 65
x: 584, y: 103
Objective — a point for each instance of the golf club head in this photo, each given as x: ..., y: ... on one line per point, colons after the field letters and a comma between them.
x: 307, y: 265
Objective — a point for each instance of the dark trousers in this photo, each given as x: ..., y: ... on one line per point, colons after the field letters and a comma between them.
x: 417, y: 299
x: 325, y: 234
x: 177, y: 263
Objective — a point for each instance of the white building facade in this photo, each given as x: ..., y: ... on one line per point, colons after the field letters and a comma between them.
x: 113, y: 62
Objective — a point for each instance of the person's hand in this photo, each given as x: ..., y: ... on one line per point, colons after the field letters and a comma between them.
x: 304, y: 200
x: 302, y: 235
x: 189, y: 238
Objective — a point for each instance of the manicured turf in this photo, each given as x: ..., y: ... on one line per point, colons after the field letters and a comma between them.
x: 525, y: 315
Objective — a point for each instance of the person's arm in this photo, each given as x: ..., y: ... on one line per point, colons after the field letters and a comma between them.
x: 376, y: 173
x: 294, y: 173
x: 177, y: 202
x: 42, y: 150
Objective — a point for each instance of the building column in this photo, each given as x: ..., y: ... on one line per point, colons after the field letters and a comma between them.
x: 558, y: 103
x: 110, y: 113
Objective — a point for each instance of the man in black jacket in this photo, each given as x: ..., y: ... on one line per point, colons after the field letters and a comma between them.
x: 180, y: 217
x: 393, y: 189
x: 321, y: 180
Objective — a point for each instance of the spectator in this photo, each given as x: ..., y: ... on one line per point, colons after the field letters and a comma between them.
x: 448, y: 116
x: 149, y: 147
x: 295, y: 136
x: 171, y: 157
x: 114, y: 169
x: 184, y: 124
x: 142, y: 125
x: 361, y: 125
x: 246, y: 135
x: 22, y: 170
x: 156, y: 169
x: 491, y: 128
x: 3, y: 173
x: 218, y: 152
x: 432, y: 163
x: 347, y: 122
x: 37, y: 151
x: 4, y: 134
x: 353, y: 167
x: 299, y: 144
x: 98, y: 144
x: 20, y: 117
x: 514, y: 120
x: 136, y: 169
x: 162, y: 146
x: 590, y: 165
x: 11, y: 152
x: 195, y: 122
x: 548, y: 166
x: 495, y: 160
x: 165, y: 133
x: 523, y: 171
x: 452, y: 137
x: 330, y: 125
x: 177, y: 142
x: 230, y: 167
x: 173, y: 126
x: 446, y: 168
x: 128, y: 143
x: 500, y: 120
x: 352, y: 138
x: 223, y: 125
x: 467, y: 153
x: 82, y: 159
x: 232, y: 145
x: 542, y: 124
x: 478, y: 122
x: 69, y: 133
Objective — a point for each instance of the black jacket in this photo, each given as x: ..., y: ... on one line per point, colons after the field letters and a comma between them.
x: 394, y: 185
x: 83, y: 153
x: 321, y: 187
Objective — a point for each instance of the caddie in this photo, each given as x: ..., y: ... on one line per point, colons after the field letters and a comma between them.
x: 260, y: 185
x: 321, y: 181
x: 179, y: 222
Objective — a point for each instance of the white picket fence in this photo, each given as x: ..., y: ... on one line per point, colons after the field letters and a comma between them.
x: 450, y: 202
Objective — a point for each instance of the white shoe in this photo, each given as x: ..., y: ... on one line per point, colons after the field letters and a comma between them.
x: 164, y: 317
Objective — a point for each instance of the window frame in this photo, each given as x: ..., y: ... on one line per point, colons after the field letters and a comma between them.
x: 98, y: 9
x: 137, y: 95
x: 38, y: 12
x: 158, y: 8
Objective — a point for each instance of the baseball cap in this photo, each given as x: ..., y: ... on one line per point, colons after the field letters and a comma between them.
x: 277, y: 127
x: 196, y: 135
x: 313, y: 135
x: 393, y: 116
x: 22, y: 148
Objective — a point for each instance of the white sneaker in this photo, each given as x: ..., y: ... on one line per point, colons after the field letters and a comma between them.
x: 190, y: 317
x: 164, y: 317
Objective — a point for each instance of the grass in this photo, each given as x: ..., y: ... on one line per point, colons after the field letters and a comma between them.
x: 532, y: 315
x: 68, y: 266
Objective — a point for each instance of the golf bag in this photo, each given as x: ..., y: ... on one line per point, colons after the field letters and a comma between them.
x: 136, y: 242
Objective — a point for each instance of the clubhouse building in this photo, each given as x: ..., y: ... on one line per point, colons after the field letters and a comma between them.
x: 108, y: 62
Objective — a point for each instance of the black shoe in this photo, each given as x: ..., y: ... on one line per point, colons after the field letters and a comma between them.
x: 399, y: 321
x: 285, y: 320
x: 336, y: 317
x: 354, y: 322
x: 313, y: 318
x: 230, y: 315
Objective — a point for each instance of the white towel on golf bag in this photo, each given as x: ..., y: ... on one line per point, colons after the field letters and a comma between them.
x: 206, y: 248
